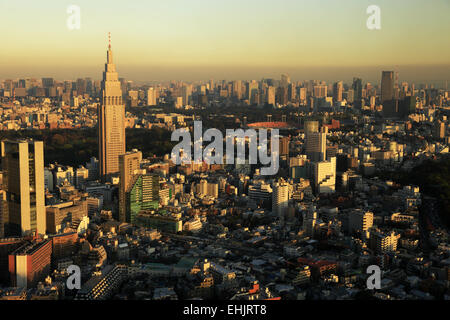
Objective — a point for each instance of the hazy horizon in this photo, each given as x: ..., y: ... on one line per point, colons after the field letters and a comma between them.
x: 432, y: 74
x: 199, y: 40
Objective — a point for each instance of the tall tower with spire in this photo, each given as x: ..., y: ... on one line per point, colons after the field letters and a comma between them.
x: 111, y: 120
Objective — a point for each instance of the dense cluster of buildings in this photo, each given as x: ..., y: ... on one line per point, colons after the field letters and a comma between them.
x: 50, y: 104
x: 148, y: 229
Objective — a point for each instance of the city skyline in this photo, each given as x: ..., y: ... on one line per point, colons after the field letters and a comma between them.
x: 325, y: 40
x: 373, y: 75
x: 248, y: 177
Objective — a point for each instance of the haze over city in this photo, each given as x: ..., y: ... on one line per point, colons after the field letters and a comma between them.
x: 169, y: 40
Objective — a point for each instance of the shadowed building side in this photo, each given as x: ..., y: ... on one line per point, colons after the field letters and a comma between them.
x: 23, y: 183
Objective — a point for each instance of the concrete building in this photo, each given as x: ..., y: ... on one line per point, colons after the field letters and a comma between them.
x: 62, y: 215
x: 360, y: 221
x: 129, y: 165
x: 23, y: 182
x: 30, y: 263
x: 324, y: 173
x: 111, y: 120
x: 316, y: 144
x: 81, y: 176
x: 48, y: 179
x: 439, y: 130
x: 384, y: 243
x: 142, y: 194
x: 284, y: 146
x: 213, y: 190
x: 62, y: 174
x: 151, y: 97
x: 270, y: 99
x: 320, y: 91
x: 387, y: 86
x: 63, y: 245
x: 102, y: 285
x: 2, y: 212
x: 260, y: 191
x: 280, y: 198
x: 338, y: 89
x: 164, y: 222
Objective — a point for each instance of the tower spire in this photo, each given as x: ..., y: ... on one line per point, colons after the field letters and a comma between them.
x: 109, y: 59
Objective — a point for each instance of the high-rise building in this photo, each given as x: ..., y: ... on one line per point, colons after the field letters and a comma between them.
x: 211, y: 85
x: 133, y: 98
x: 81, y: 86
x: 387, y: 86
x: 311, y: 126
x: 178, y: 102
x: 325, y: 176
x: 358, y: 89
x: 285, y: 80
x: 151, y: 97
x: 23, y: 183
x: 320, y: 91
x: 92, y: 166
x: 129, y: 164
x: 280, y: 198
x: 186, y: 92
x: 270, y: 95
x: 111, y: 120
x: 399, y: 108
x: 89, y: 85
x: 407, y: 106
x: 302, y: 94
x: 203, y: 187
x: 282, y: 96
x: 252, y: 91
x: 2, y: 212
x: 292, y: 92
x: 213, y: 190
x: 142, y: 194
x: 316, y: 144
x: 310, y: 221
x: 237, y: 89
x: 284, y: 146
x: 338, y: 88
x: 47, y: 82
x: 350, y: 95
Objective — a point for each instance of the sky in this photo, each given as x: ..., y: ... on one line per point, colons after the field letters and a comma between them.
x: 226, y: 39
